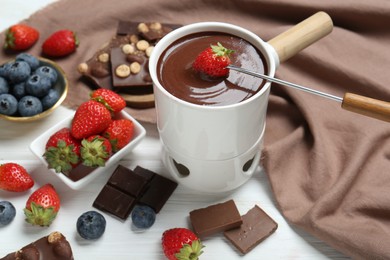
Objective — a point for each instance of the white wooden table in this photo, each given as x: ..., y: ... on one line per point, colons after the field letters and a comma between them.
x: 120, y: 241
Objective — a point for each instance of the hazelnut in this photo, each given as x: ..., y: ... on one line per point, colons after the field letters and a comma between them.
x: 133, y: 57
x: 134, y: 38
x: 63, y: 249
x: 143, y: 28
x: 99, y: 70
x: 54, y: 237
x: 104, y: 57
x: 122, y: 71
x: 82, y: 68
x: 135, y: 67
x: 149, y: 50
x: 142, y: 45
x: 147, y: 78
x: 128, y: 49
x: 155, y: 26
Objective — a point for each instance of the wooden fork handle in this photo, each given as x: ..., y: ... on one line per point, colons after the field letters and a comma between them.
x: 367, y: 106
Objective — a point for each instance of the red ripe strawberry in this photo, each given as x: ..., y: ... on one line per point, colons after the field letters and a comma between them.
x: 91, y: 118
x: 212, y: 61
x: 113, y: 101
x: 181, y: 243
x: 42, y: 206
x: 119, y: 133
x: 60, y: 43
x: 62, y: 151
x: 20, y: 37
x: 14, y: 177
x: 95, y: 151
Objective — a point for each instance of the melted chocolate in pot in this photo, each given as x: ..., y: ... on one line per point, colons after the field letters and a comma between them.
x: 175, y: 73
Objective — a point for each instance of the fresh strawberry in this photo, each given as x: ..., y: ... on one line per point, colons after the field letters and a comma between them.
x: 119, y: 133
x: 20, y: 37
x: 42, y: 206
x: 91, y: 118
x: 113, y: 101
x: 212, y: 61
x: 95, y: 151
x: 62, y: 151
x: 60, y: 43
x: 181, y: 244
x: 14, y: 177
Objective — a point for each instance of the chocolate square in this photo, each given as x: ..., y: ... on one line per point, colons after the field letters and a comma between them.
x: 127, y: 181
x: 145, y: 173
x: 256, y: 227
x: 215, y: 218
x: 158, y: 192
x: 114, y: 201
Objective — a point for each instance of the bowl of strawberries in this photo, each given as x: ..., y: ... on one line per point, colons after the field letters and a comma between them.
x: 84, y: 145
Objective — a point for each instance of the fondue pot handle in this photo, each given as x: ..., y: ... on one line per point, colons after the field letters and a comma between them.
x: 310, y: 30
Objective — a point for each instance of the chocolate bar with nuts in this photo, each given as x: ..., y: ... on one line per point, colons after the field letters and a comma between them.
x: 136, y: 40
x: 54, y: 246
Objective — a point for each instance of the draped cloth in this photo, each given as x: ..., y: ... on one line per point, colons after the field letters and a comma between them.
x: 329, y: 169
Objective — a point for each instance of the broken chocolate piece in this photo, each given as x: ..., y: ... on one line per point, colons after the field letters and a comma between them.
x: 256, y: 227
x: 54, y: 246
x: 215, y: 218
x: 154, y: 31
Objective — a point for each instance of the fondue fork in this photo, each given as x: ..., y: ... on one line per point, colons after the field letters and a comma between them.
x: 352, y: 102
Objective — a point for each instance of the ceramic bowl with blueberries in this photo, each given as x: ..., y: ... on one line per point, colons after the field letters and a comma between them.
x: 30, y: 88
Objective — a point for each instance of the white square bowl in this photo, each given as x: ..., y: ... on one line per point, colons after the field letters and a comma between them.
x: 38, y: 148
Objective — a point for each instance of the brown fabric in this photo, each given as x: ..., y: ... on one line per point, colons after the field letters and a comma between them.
x: 328, y: 168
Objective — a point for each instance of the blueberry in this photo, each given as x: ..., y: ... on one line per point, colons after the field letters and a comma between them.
x: 19, y: 71
x: 7, y: 212
x: 91, y: 225
x: 4, y: 88
x: 143, y: 216
x: 49, y: 72
x: 4, y: 69
x: 8, y: 104
x: 30, y: 59
x: 50, y: 99
x: 38, y: 86
x: 19, y: 90
x: 29, y: 106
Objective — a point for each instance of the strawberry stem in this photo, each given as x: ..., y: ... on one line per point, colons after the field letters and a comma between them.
x: 219, y: 50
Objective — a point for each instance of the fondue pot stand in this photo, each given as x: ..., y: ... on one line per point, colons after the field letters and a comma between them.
x: 215, y: 149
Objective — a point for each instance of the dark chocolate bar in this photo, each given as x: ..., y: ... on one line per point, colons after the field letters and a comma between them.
x: 54, y: 246
x: 215, y: 218
x: 125, y: 188
x: 256, y: 227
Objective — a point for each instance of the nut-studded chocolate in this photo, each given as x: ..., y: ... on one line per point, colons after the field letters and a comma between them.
x: 54, y: 246
x: 136, y: 41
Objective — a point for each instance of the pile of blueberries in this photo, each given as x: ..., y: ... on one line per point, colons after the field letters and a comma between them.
x: 26, y: 87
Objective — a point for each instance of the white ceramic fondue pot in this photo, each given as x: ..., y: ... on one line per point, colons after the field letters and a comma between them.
x: 216, y: 149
